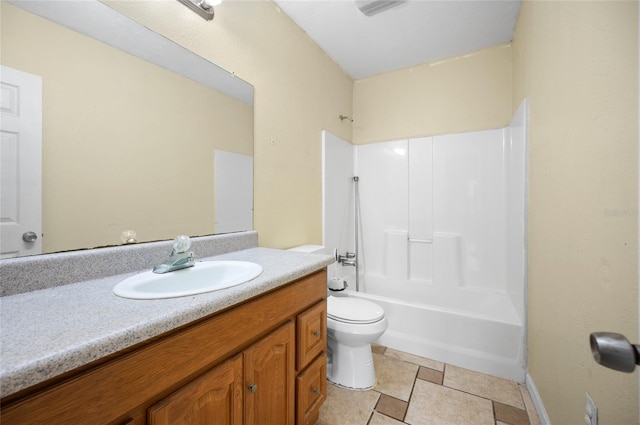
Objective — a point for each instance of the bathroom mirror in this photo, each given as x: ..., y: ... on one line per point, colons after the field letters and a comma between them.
x: 128, y: 139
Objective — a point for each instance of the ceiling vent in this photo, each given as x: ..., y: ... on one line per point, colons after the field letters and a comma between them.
x: 373, y: 7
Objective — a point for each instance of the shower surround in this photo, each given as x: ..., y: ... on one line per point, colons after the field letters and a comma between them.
x: 442, y: 241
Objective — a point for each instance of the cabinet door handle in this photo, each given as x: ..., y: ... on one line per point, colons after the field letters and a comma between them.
x: 316, y: 390
x: 316, y: 333
x: 253, y: 388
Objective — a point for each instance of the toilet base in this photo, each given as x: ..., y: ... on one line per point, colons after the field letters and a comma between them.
x: 351, y: 367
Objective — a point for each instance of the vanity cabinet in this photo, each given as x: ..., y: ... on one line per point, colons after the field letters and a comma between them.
x: 257, y: 363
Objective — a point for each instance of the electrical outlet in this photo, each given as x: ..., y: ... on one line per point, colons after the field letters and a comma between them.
x: 591, y: 411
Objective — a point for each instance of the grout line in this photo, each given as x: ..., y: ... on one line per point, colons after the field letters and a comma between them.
x: 493, y: 410
x: 376, y: 405
x: 370, y: 416
x: 377, y: 402
x: 390, y: 417
x: 524, y: 403
x: 486, y: 398
x: 523, y: 387
x: 415, y: 378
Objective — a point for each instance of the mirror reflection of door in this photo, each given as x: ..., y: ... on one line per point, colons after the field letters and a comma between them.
x: 20, y: 163
x: 233, y: 191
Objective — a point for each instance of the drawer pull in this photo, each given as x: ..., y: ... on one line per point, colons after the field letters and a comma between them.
x: 316, y: 333
x: 253, y: 388
x: 316, y: 390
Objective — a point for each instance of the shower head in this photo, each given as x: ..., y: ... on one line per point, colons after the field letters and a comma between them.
x: 356, y: 178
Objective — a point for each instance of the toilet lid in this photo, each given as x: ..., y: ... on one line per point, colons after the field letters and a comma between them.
x: 353, y: 310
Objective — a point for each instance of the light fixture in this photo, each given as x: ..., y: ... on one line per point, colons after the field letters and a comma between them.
x: 203, y: 8
x: 373, y: 7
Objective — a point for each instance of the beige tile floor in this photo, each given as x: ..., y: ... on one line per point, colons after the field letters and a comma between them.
x: 418, y: 391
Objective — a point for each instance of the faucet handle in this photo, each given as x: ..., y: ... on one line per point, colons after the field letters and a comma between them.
x: 181, y: 244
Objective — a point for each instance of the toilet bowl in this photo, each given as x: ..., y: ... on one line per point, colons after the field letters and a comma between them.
x: 352, y: 325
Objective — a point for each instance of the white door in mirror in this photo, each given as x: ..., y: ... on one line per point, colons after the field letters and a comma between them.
x: 205, y: 276
x: 21, y: 159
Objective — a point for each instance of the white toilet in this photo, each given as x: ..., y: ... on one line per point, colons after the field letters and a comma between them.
x: 352, y: 325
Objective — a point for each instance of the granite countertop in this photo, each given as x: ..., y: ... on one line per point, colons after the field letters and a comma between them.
x: 47, y: 332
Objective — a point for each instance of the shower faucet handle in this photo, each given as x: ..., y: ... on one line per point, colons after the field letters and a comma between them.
x: 348, y: 259
x: 340, y: 257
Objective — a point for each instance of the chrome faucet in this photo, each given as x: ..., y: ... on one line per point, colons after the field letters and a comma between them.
x: 180, y: 258
x: 349, y: 259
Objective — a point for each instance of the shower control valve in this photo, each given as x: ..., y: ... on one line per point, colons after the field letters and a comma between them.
x: 347, y: 260
x: 347, y: 256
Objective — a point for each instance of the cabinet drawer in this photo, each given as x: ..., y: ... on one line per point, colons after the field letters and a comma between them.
x: 312, y: 334
x: 311, y: 391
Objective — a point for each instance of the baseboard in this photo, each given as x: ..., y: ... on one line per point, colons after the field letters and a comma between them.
x: 537, y: 401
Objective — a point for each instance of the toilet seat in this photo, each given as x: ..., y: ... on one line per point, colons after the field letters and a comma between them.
x: 353, y: 310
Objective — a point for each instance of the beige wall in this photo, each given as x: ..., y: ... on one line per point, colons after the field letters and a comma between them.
x: 577, y: 62
x: 455, y: 95
x: 299, y: 91
x: 126, y: 145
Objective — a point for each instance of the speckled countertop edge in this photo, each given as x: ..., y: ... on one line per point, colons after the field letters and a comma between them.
x: 47, y: 332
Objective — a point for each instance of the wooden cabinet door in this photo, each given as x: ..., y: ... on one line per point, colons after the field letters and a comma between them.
x: 214, y: 398
x: 270, y: 379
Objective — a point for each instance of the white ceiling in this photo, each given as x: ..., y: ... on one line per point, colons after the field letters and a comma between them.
x: 412, y: 33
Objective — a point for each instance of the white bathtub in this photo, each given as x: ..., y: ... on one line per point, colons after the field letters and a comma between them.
x: 474, y: 329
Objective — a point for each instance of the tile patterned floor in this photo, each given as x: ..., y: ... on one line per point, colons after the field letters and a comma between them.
x: 418, y: 391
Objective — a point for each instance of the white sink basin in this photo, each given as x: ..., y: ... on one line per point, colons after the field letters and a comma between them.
x: 205, y: 276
